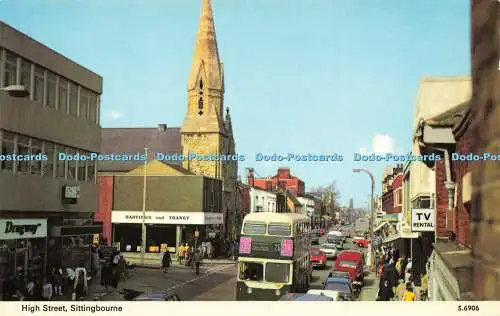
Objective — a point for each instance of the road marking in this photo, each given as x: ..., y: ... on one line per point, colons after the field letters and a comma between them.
x: 207, y: 273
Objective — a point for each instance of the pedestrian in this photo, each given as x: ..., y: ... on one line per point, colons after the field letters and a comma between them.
x: 197, y: 261
x: 400, y: 289
x: 180, y: 253
x: 399, y: 268
x: 80, y: 288
x: 203, y: 249
x: 409, y: 296
x: 58, y: 282
x: 385, y: 292
x: 106, y: 275
x: 30, y: 290
x: 166, y: 261
x: 47, y: 290
x: 408, y: 271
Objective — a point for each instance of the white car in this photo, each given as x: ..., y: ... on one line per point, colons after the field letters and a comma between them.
x: 330, y: 250
x: 334, y: 295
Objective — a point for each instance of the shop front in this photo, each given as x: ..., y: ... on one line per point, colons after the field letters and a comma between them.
x: 23, y: 247
x: 70, y: 243
x: 164, y: 230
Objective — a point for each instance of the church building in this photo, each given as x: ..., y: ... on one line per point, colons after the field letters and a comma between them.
x: 182, y: 198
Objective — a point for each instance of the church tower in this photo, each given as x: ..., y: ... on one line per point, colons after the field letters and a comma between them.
x: 207, y: 128
x: 203, y: 130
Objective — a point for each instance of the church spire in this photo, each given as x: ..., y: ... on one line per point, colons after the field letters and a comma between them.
x: 206, y: 41
x: 206, y: 61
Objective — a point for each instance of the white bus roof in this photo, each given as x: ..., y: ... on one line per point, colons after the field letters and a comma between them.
x: 271, y: 217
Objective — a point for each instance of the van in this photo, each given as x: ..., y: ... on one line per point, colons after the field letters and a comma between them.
x: 352, y: 261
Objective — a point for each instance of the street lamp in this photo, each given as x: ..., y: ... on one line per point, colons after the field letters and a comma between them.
x: 144, y: 194
x: 16, y: 91
x: 372, y: 208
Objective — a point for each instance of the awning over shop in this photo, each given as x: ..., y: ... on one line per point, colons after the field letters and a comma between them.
x: 380, y: 226
x: 391, y: 218
x: 402, y: 235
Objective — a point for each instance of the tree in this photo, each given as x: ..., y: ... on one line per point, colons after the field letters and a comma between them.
x: 329, y: 195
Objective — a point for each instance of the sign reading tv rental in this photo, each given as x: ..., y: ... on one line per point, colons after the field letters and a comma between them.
x: 423, y: 220
x: 22, y: 228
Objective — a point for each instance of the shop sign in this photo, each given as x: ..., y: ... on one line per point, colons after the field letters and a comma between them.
x: 22, y: 228
x: 423, y: 220
x: 176, y: 218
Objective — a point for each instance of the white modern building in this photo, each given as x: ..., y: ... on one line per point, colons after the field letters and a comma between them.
x: 262, y: 200
x: 307, y: 205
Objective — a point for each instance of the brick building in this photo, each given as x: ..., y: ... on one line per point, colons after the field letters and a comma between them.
x: 451, y: 259
x: 392, y: 189
x: 284, y: 179
x: 485, y: 108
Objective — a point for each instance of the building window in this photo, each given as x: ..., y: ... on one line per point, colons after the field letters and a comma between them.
x: 7, y: 149
x: 23, y: 148
x: 82, y: 168
x: 421, y: 202
x: 36, y: 162
x: 84, y: 103
x: 91, y: 176
x: 93, y: 106
x: 39, y: 86
x: 26, y: 74
x: 60, y: 164
x: 200, y: 105
x: 10, y: 69
x: 51, y: 90
x: 48, y: 165
x: 63, y: 95
x: 73, y: 99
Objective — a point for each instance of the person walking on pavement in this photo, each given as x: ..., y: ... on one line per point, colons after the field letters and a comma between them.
x: 197, y: 261
x: 180, y: 253
x: 407, y: 271
x: 400, y: 290
x: 409, y: 296
x: 166, y: 261
x: 385, y: 292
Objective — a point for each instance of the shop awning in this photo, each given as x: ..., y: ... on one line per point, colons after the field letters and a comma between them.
x: 379, y: 226
x: 402, y: 235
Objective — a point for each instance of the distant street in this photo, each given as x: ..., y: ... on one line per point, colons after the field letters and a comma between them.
x: 217, y: 282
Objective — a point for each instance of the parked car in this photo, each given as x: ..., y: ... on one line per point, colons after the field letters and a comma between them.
x: 330, y: 250
x: 334, y: 295
x: 351, y: 261
x: 322, y: 232
x: 361, y: 243
x: 318, y: 258
x: 315, y: 235
x: 339, y: 274
x: 304, y: 297
x: 133, y: 295
x: 341, y: 285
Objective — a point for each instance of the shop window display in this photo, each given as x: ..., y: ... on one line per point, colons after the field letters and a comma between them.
x: 23, y: 257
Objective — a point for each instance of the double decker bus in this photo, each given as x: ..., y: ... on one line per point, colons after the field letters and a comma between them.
x: 273, y: 256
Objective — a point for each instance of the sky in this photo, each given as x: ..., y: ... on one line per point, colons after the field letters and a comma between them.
x: 302, y: 76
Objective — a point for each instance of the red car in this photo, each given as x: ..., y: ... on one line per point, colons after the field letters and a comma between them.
x: 362, y: 243
x: 322, y: 232
x: 318, y: 258
x: 351, y: 261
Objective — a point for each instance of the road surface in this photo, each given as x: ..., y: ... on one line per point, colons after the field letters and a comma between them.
x: 217, y: 282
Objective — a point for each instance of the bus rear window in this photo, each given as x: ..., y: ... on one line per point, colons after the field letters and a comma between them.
x: 254, y: 228
x: 279, y: 229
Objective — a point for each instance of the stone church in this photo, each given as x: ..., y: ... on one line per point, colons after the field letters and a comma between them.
x: 206, y: 128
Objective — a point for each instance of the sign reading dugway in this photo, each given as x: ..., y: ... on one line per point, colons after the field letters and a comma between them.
x: 423, y: 220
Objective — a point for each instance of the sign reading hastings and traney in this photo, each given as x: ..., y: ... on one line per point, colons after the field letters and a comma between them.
x: 423, y: 220
x: 22, y: 228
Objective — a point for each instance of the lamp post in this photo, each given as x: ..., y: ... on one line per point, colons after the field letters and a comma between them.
x: 372, y: 208
x: 16, y: 91
x: 144, y: 194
